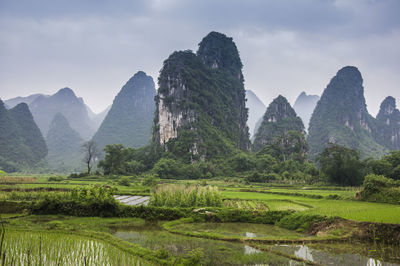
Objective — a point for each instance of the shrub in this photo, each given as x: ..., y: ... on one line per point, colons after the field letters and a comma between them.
x: 149, y: 180
x: 124, y: 181
x: 56, y: 178
x: 84, y: 201
x: 378, y: 188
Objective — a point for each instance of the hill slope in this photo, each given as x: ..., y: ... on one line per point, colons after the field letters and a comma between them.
x: 278, y: 120
x: 341, y: 117
x: 64, y: 146
x: 21, y: 142
x: 129, y: 121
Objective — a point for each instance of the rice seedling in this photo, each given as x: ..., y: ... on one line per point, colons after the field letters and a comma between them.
x: 186, y: 196
x: 252, y: 205
x: 34, y: 248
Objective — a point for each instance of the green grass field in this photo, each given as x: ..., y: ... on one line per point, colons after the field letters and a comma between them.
x: 348, y: 209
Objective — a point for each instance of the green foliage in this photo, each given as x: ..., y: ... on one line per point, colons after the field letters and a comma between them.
x: 83, y: 201
x: 208, y: 89
x: 149, y: 180
x: 380, y: 189
x: 168, y: 168
x: 129, y: 121
x: 128, y: 161
x: 21, y: 142
x: 124, y: 181
x: 300, y: 222
x: 182, y: 196
x: 341, y: 165
x: 282, y: 129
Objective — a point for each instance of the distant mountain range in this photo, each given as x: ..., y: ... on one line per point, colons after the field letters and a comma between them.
x: 64, y: 101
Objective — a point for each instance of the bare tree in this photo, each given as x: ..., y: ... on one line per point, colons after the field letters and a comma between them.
x: 91, y: 154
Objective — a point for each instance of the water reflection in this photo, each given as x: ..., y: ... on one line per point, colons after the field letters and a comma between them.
x: 374, y: 262
x: 248, y: 234
x: 333, y: 254
x: 304, y: 252
x: 250, y: 250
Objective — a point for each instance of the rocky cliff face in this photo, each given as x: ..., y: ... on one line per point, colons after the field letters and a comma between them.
x: 130, y: 119
x: 304, y: 107
x: 341, y: 117
x: 256, y: 111
x: 388, y: 131
x: 201, y: 109
x: 278, y: 120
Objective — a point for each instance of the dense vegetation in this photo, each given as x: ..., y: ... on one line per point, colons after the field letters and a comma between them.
x: 380, y: 189
x: 341, y: 117
x: 21, y: 142
x: 204, y: 96
x: 129, y: 121
x: 281, y: 127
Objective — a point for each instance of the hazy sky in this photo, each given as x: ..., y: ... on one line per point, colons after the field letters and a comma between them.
x: 287, y: 46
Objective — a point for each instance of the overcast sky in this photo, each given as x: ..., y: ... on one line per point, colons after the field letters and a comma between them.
x: 286, y: 46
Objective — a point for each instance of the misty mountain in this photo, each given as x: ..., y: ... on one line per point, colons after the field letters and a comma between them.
x: 341, y: 117
x: 304, y: 107
x: 69, y: 105
x: 10, y: 103
x: 129, y: 121
x: 97, y: 119
x: 256, y: 111
x: 21, y: 142
x: 388, y: 130
x: 64, y: 145
x: 201, y: 110
x: 279, y: 119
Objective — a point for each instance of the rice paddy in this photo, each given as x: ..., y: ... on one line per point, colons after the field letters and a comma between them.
x: 56, y: 240
x: 44, y: 248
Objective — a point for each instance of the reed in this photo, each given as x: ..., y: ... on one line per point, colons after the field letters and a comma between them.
x: 186, y: 196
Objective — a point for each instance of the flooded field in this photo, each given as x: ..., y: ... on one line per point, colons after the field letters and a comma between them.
x: 216, y: 252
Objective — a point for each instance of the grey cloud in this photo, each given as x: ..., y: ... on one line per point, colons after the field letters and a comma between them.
x: 286, y: 46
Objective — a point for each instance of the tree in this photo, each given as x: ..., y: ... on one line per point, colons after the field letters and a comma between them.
x: 341, y: 165
x: 114, y: 161
x: 91, y: 154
